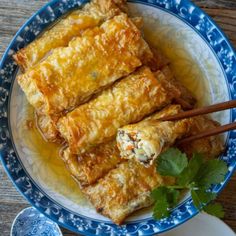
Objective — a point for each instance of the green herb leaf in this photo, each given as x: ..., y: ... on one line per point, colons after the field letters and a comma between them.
x: 214, y: 209
x: 196, y: 201
x: 201, y: 197
x: 190, y: 172
x: 164, y: 199
x: 172, y: 162
x: 205, y: 196
x: 211, y: 172
x: 160, y: 209
x: 158, y: 193
x: 197, y: 176
x: 161, y: 206
x: 172, y: 196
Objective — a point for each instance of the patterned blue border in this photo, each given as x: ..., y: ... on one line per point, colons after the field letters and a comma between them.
x: 182, y: 9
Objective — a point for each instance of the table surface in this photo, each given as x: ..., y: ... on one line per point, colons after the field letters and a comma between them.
x: 13, y: 13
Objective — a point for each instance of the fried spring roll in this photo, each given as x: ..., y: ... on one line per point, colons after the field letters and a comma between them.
x: 127, y: 187
x: 146, y: 140
x: 125, y: 190
x: 47, y: 123
x: 210, y: 147
x: 160, y: 62
x: 129, y: 100
x: 93, y: 165
x: 72, y: 74
x: 68, y: 27
x: 186, y: 99
x: 88, y: 168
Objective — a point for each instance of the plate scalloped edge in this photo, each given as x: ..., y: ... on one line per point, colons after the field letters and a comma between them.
x: 184, y: 10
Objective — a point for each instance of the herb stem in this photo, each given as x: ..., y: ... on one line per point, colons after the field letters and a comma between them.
x: 177, y: 187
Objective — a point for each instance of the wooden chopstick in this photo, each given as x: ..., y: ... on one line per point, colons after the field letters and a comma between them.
x: 208, y: 133
x: 201, y: 111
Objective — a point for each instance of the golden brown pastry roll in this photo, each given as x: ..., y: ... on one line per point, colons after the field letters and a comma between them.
x: 87, y: 168
x: 68, y: 27
x: 46, y: 125
x: 160, y: 62
x: 210, y: 147
x: 186, y: 99
x: 127, y: 188
x: 128, y: 101
x: 118, y: 190
x: 79, y: 73
x: 146, y: 140
x: 72, y: 74
x: 124, y: 190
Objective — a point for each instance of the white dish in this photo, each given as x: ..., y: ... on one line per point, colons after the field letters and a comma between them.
x: 202, y: 225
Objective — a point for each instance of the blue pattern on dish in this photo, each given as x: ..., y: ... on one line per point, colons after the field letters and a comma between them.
x: 183, y: 9
x: 30, y: 222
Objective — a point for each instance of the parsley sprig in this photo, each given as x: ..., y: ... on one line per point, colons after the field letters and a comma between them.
x: 196, y: 175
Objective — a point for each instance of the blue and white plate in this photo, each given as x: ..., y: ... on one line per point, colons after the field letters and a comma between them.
x: 202, y: 58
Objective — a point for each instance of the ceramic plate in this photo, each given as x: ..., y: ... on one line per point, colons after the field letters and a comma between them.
x: 201, y: 57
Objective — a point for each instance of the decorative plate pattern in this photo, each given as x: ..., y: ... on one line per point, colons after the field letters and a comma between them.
x: 181, y: 9
x: 29, y: 222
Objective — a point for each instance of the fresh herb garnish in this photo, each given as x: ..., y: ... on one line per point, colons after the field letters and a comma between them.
x: 165, y: 198
x: 172, y: 162
x: 196, y: 175
x: 214, y: 209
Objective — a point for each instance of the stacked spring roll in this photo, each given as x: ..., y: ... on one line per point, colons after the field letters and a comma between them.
x: 160, y: 63
x: 127, y: 188
x: 146, y: 140
x: 71, y: 75
x: 87, y: 168
x: 73, y: 25
x: 128, y: 101
x: 210, y: 147
x: 122, y: 186
x: 76, y: 82
x: 186, y: 99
